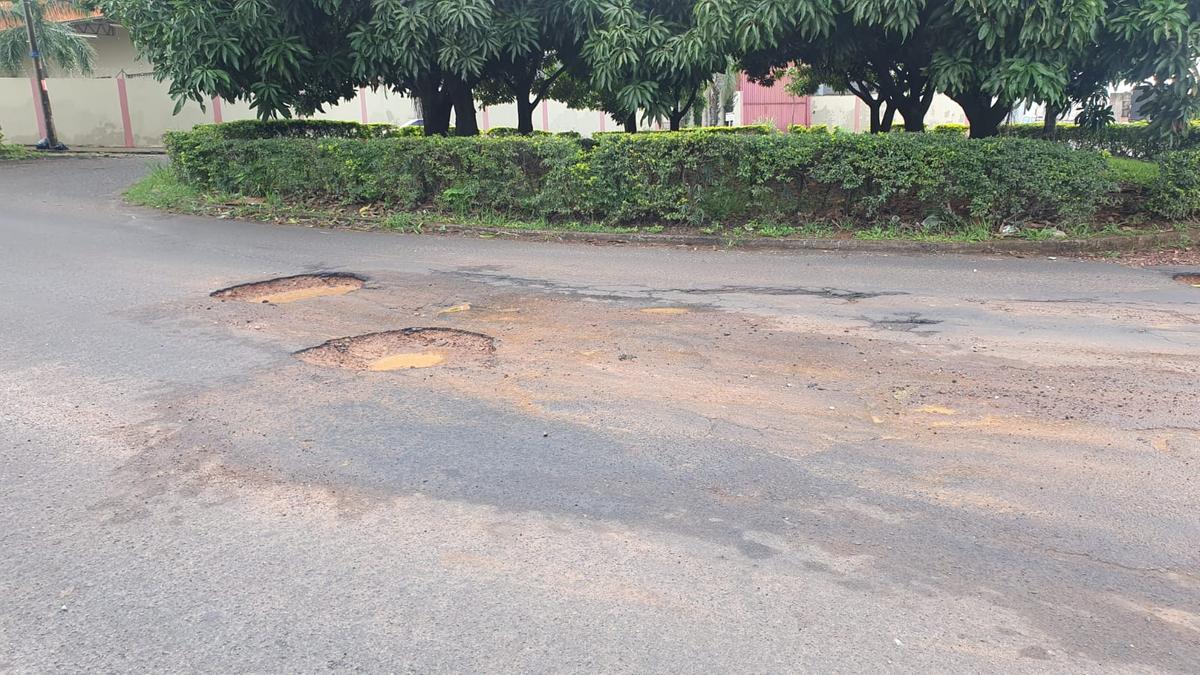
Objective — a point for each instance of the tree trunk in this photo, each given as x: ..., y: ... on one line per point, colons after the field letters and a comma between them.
x: 465, y: 123
x: 525, y: 109
x: 914, y: 119
x: 1050, y: 125
x: 876, y: 121
x: 983, y: 114
x: 631, y: 123
x: 889, y: 118
x: 676, y: 119
x: 435, y: 107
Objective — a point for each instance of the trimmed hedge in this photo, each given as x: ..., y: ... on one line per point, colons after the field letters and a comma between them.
x: 1133, y: 140
x: 1176, y: 192
x: 686, y: 178
x: 816, y: 129
x: 952, y: 129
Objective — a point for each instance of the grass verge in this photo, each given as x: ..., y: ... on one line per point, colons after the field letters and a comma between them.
x: 1134, y: 172
x: 9, y: 151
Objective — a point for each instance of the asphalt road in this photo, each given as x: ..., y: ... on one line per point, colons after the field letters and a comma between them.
x: 807, y: 461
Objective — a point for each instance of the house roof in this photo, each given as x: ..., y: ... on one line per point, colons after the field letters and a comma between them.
x: 58, y: 13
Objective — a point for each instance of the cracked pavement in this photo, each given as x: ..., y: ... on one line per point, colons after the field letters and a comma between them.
x: 675, y: 459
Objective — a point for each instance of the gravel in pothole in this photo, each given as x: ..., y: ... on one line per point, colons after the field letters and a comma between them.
x: 291, y: 289
x: 402, y: 350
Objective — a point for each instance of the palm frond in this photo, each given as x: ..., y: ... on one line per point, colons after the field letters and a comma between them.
x: 60, y: 45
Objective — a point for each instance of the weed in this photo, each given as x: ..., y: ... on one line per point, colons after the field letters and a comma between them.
x: 162, y: 189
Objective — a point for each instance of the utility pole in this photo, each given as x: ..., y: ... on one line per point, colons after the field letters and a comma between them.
x: 51, y: 137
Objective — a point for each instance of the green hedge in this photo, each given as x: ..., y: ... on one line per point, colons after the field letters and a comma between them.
x: 1133, y: 140
x: 952, y: 129
x: 1176, y: 192
x: 814, y: 129
x: 686, y: 178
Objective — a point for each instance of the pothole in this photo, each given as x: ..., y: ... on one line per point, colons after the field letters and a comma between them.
x: 1192, y: 280
x: 402, y: 350
x: 291, y: 289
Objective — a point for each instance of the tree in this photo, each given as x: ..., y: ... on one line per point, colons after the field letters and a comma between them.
x: 876, y: 49
x: 994, y: 53
x: 289, y: 57
x: 656, y: 56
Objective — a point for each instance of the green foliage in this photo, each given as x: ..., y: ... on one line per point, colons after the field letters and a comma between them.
x: 1136, y: 140
x: 951, y: 129
x: 502, y: 174
x: 1096, y: 113
x: 305, y: 128
x: 60, y: 45
x: 696, y: 179
x: 746, y: 129
x: 162, y: 189
x: 513, y: 131
x: 814, y: 129
x: 12, y: 151
x: 1133, y: 172
x: 1176, y: 193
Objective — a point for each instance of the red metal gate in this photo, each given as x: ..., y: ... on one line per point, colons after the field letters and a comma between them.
x: 774, y: 104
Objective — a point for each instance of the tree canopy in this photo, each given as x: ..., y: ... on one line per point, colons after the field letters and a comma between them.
x: 654, y: 57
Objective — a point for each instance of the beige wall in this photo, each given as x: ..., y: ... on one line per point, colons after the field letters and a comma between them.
x: 847, y: 112
x: 17, y: 119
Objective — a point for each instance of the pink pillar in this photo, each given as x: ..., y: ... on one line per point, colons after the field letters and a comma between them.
x: 362, y: 103
x: 487, y: 123
x: 603, y: 121
x: 857, y: 114
x: 545, y: 116
x: 123, y: 99
x: 216, y: 101
x: 38, y: 113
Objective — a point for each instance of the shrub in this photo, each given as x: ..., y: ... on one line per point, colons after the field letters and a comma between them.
x: 868, y: 178
x: 1133, y: 140
x: 689, y: 178
x: 1176, y: 193
x: 512, y: 131
x: 508, y: 175
x: 817, y: 129
x: 952, y: 129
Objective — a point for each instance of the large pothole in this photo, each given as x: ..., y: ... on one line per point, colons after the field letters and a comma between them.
x: 291, y: 289
x: 1189, y: 279
x: 402, y: 350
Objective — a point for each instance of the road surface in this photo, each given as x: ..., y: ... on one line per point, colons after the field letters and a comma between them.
x: 793, y: 461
